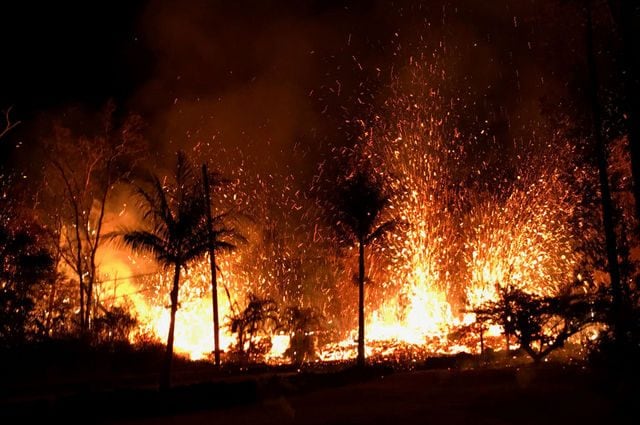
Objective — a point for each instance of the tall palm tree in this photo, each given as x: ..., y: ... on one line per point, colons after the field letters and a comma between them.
x: 175, y: 233
x: 220, y: 239
x: 358, y: 206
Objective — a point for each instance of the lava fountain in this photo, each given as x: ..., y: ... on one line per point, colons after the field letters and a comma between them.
x: 463, y: 233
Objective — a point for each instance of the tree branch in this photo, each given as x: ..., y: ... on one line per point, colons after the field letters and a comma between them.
x: 8, y: 124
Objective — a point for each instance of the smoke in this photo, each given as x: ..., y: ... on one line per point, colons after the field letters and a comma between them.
x: 273, y: 85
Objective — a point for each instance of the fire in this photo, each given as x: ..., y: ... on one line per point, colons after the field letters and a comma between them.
x: 414, y: 301
x: 526, y: 242
x: 194, y: 327
x: 194, y: 318
x: 457, y: 243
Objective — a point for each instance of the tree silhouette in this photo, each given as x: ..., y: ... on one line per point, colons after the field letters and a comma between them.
x: 175, y: 233
x: 259, y: 317
x: 301, y: 323
x: 626, y: 15
x: 24, y: 262
x: 8, y: 125
x: 220, y: 239
x: 113, y: 326
x: 358, y: 204
x: 540, y: 324
x: 608, y: 220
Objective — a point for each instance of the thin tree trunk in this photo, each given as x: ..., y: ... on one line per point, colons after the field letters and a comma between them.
x: 361, y: 354
x: 212, y: 260
x: 94, y: 249
x: 606, y: 201
x: 49, y: 316
x: 83, y: 325
x: 165, y: 376
x: 250, y: 349
x: 78, y: 259
x: 627, y: 16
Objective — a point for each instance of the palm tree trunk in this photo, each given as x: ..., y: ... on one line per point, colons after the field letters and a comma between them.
x: 165, y: 377
x: 361, y: 359
x: 212, y: 260
x: 214, y: 301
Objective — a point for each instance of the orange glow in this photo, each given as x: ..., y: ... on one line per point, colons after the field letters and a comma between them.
x: 456, y: 244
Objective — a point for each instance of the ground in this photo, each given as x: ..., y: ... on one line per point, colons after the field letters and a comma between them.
x: 505, y: 396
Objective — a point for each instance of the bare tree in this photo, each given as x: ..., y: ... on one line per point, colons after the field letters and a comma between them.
x: 8, y: 125
x: 81, y: 175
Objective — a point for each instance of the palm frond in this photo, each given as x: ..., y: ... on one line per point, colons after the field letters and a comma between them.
x: 144, y: 241
x: 381, y: 231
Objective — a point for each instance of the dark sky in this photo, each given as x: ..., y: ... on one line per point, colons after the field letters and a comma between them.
x: 267, y: 77
x: 60, y: 52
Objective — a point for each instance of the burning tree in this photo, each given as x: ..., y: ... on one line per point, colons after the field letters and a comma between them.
x: 175, y: 233
x: 26, y: 261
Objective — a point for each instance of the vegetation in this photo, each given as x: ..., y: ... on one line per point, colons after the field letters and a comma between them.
x: 253, y: 327
x: 81, y: 190
x: 55, y: 221
x: 301, y: 323
x: 114, y: 326
x: 220, y: 238
x: 358, y: 206
x: 539, y: 324
x: 24, y: 264
x: 175, y: 233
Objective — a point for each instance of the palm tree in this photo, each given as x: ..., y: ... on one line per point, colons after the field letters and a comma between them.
x: 259, y: 317
x: 175, y: 233
x: 220, y: 238
x: 358, y: 205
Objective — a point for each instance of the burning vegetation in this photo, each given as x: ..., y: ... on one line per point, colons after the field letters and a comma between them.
x: 417, y: 237
x: 443, y: 244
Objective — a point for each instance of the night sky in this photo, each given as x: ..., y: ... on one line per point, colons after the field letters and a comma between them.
x: 274, y: 77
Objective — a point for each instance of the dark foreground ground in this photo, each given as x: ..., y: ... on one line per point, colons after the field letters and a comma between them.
x: 505, y: 396
x: 442, y: 392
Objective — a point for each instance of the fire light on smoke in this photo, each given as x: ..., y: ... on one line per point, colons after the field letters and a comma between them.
x: 455, y: 245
